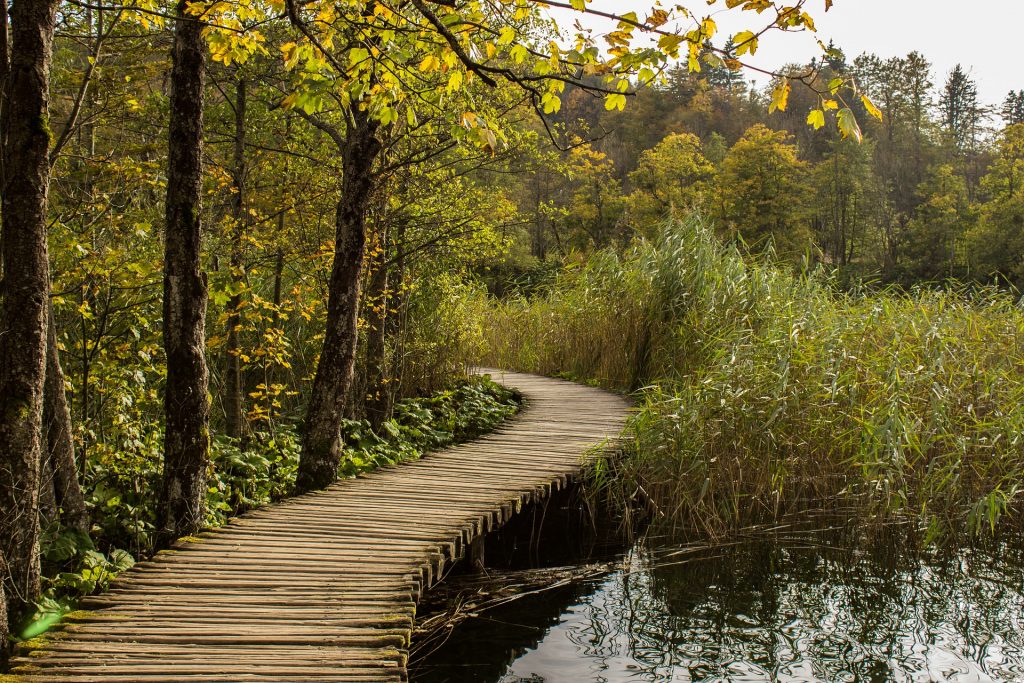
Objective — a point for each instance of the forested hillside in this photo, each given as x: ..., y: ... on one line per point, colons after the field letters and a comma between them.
x: 929, y: 193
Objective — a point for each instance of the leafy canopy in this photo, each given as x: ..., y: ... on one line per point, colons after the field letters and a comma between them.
x: 412, y: 60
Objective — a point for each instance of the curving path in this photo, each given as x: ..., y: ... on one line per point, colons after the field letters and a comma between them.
x: 323, y: 587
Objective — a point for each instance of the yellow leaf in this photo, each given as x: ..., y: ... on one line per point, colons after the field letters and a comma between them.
x: 870, y: 106
x: 429, y: 63
x: 746, y: 42
x: 289, y: 101
x: 615, y: 101
x: 816, y: 118
x: 780, y: 96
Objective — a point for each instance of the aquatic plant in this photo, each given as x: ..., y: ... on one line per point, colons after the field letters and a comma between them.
x: 763, y: 392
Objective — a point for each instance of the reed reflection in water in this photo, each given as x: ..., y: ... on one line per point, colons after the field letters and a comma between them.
x: 785, y: 607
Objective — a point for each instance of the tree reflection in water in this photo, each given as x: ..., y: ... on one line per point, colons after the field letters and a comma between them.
x: 785, y: 606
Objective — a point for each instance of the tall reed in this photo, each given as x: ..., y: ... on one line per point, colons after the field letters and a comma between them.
x: 764, y: 393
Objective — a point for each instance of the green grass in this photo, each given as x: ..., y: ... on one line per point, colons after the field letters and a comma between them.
x: 765, y: 393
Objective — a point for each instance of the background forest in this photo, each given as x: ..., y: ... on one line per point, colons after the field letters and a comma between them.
x: 927, y: 194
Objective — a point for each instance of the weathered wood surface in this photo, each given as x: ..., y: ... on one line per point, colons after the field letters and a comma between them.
x: 323, y: 587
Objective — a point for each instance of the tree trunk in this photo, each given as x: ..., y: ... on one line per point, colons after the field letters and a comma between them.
x: 376, y: 342
x: 270, y: 376
x: 47, y: 505
x: 3, y: 615
x: 234, y: 406
x: 5, y: 56
x: 394, y: 325
x: 60, y: 446
x: 187, y: 409
x: 321, y: 444
x: 26, y: 289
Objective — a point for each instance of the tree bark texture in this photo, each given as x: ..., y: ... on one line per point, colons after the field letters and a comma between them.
x: 26, y: 288
x: 186, y: 405
x: 60, y: 446
x: 234, y: 405
x: 321, y: 444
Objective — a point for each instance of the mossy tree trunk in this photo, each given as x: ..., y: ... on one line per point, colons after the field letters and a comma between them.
x: 187, y: 410
x: 321, y: 444
x: 26, y: 288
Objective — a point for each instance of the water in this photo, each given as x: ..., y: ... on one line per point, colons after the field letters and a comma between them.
x: 766, y: 607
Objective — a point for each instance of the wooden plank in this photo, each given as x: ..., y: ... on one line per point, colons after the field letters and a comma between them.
x: 322, y: 587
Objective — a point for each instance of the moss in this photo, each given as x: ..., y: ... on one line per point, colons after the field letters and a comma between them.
x: 190, y: 539
x: 18, y: 409
x: 27, y: 647
x: 89, y: 615
x: 43, y: 126
x: 12, y: 678
x: 79, y: 615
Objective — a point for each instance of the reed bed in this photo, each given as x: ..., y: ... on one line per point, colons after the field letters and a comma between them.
x: 763, y: 393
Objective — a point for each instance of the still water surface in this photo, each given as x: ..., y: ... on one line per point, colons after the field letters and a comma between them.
x: 780, y: 607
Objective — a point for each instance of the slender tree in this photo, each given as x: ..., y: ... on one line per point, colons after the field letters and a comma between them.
x: 234, y: 405
x: 60, y: 446
x: 5, y: 68
x: 24, y: 312
x: 376, y: 406
x: 321, y: 447
x: 186, y: 406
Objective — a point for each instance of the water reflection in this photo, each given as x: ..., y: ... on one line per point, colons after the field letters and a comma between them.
x: 787, y: 607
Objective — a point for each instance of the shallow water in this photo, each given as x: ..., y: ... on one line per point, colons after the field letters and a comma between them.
x: 779, y: 607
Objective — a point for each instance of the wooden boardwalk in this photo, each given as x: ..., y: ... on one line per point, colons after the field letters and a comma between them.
x: 323, y: 587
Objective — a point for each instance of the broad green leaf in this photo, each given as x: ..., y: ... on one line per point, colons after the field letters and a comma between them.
x: 847, y: 123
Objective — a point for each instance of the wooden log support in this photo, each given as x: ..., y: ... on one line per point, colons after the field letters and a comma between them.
x: 476, y: 554
x: 323, y: 587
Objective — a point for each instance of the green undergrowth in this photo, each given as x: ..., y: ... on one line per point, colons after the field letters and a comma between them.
x: 465, y: 412
x: 76, y: 565
x: 765, y: 393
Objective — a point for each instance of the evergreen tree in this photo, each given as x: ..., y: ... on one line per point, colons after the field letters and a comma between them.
x: 1013, y: 108
x: 961, y: 111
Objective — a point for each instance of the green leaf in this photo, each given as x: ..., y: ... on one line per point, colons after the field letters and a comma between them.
x: 848, y: 125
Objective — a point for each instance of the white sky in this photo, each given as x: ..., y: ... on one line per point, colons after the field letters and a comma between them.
x: 983, y: 35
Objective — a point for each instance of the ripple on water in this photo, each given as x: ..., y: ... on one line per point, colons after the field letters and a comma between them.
x: 762, y: 609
